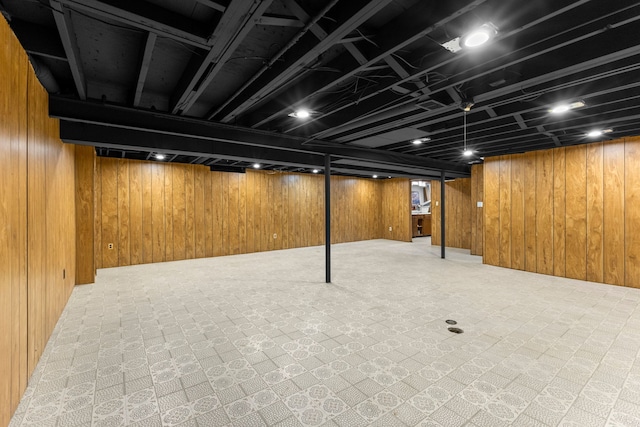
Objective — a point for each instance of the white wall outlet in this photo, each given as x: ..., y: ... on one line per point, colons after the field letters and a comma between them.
x: 390, y: 228
x: 110, y: 246
x: 480, y: 204
x: 437, y: 203
x: 275, y: 236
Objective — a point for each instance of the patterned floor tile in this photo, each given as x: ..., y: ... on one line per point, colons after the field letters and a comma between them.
x: 175, y: 345
x: 315, y: 405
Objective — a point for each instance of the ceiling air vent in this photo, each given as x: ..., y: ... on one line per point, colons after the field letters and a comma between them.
x: 430, y: 105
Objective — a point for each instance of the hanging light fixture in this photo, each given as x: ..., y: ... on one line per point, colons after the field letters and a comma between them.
x: 465, y: 151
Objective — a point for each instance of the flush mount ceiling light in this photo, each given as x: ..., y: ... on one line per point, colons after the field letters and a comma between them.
x: 563, y: 108
x: 316, y: 171
x: 599, y: 132
x: 375, y: 176
x: 256, y: 165
x: 160, y: 156
x: 302, y: 113
x: 419, y: 141
x: 479, y: 36
x: 473, y: 39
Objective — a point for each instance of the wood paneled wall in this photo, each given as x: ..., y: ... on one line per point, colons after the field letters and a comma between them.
x: 37, y: 232
x: 457, y: 213
x: 13, y: 223
x: 571, y: 212
x: 396, y: 210
x: 477, y: 213
x: 85, y: 165
x: 154, y: 212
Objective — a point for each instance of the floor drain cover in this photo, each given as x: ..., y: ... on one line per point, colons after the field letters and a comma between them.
x: 455, y: 330
x: 451, y: 322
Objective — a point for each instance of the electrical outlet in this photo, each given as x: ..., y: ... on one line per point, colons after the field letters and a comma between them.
x: 437, y: 203
x: 110, y: 246
x: 390, y: 228
x: 275, y: 236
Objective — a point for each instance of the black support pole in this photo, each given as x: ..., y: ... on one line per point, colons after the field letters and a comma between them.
x: 327, y: 215
x: 442, y: 227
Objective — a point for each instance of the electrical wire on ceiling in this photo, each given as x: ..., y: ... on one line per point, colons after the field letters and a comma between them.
x: 367, y: 38
x: 395, y: 55
x: 182, y: 45
x: 440, y: 77
x: 347, y: 88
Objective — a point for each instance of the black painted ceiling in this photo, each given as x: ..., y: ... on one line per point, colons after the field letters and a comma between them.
x: 373, y: 72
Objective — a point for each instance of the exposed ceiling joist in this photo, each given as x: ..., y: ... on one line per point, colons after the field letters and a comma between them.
x: 304, y: 51
x: 149, y: 44
x: 146, y: 16
x: 372, y: 101
x: 68, y: 39
x: 280, y: 21
x: 497, y: 96
x: 213, y: 5
x: 392, y: 37
x: 237, y: 21
x: 320, y: 33
x: 372, y: 87
x: 518, y: 118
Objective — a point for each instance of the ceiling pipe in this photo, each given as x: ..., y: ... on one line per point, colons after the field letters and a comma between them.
x: 276, y: 57
x: 44, y: 75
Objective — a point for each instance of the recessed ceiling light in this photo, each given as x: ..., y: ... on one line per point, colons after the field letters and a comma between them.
x: 599, y: 132
x: 375, y: 176
x: 256, y: 165
x: 160, y: 156
x: 301, y: 114
x: 316, y: 171
x: 467, y: 153
x: 479, y: 36
x: 419, y: 141
x: 563, y: 108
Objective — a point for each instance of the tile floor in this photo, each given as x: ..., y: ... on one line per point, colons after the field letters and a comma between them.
x: 260, y: 339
